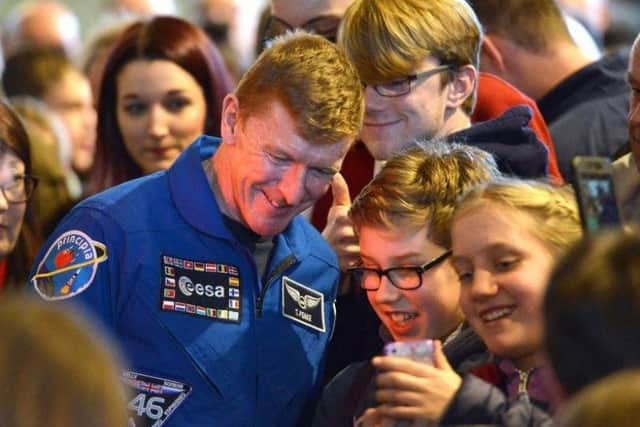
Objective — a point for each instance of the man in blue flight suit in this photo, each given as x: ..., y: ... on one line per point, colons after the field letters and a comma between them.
x: 219, y: 293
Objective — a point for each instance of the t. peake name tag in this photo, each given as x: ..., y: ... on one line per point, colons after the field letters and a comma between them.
x: 206, y: 289
x: 303, y: 304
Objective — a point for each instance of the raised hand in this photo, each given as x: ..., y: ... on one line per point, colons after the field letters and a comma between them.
x: 407, y: 389
x: 339, y: 229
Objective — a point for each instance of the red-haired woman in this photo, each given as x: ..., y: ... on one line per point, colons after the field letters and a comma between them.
x: 162, y: 86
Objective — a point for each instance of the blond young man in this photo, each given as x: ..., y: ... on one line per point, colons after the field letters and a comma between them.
x: 418, y: 60
x: 419, y: 63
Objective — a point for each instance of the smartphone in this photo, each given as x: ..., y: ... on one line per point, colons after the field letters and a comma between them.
x: 595, y: 192
x: 421, y: 351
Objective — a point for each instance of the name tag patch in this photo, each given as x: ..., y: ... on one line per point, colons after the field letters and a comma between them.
x: 203, y: 289
x: 154, y: 399
x: 303, y: 304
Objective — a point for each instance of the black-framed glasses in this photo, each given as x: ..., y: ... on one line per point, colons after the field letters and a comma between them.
x: 325, y: 26
x: 405, y: 278
x: 402, y: 86
x: 19, y: 189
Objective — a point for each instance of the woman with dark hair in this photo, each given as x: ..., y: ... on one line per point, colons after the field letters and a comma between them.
x: 162, y: 86
x: 18, y: 241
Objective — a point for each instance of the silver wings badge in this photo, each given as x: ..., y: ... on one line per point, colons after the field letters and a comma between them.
x: 306, y: 302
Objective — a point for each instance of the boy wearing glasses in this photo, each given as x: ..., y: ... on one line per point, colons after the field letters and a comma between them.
x: 402, y: 220
x: 419, y: 62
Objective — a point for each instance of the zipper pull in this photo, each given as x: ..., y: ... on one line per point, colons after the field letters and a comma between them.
x: 259, y: 306
x: 523, y: 394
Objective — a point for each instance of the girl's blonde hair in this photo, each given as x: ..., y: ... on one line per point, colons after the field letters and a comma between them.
x: 419, y: 187
x: 554, y: 209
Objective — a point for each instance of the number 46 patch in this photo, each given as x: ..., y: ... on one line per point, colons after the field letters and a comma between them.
x: 154, y: 399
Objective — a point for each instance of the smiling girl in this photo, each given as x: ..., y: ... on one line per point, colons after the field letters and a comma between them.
x: 506, y: 237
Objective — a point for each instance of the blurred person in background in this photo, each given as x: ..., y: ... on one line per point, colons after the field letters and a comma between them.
x: 18, y: 239
x: 218, y: 19
x: 42, y: 24
x: 624, y: 23
x: 98, y: 48
x: 612, y: 401
x: 626, y: 170
x: 593, y: 14
x: 584, y: 101
x: 613, y: 24
x: 321, y: 17
x: 49, y: 76
x: 592, y: 310
x: 142, y: 7
x: 162, y: 86
x: 57, y: 190
x: 67, y: 379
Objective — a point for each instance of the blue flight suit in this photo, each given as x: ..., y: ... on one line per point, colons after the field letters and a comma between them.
x: 207, y: 343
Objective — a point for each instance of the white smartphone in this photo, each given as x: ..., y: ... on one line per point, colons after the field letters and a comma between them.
x: 421, y: 350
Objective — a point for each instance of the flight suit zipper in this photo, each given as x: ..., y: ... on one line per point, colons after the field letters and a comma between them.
x: 280, y: 268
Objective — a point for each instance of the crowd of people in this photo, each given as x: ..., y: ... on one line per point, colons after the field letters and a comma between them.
x: 184, y: 242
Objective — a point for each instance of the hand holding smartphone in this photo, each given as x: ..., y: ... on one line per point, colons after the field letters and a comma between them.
x: 420, y: 351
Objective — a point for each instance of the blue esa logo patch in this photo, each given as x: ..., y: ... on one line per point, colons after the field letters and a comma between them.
x: 69, y: 266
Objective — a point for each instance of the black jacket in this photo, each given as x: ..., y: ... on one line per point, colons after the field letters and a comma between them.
x: 351, y: 392
x: 512, y: 142
x: 587, y: 112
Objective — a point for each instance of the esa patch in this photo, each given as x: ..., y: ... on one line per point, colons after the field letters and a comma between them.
x: 204, y: 289
x: 303, y: 304
x: 153, y: 399
x: 69, y: 266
